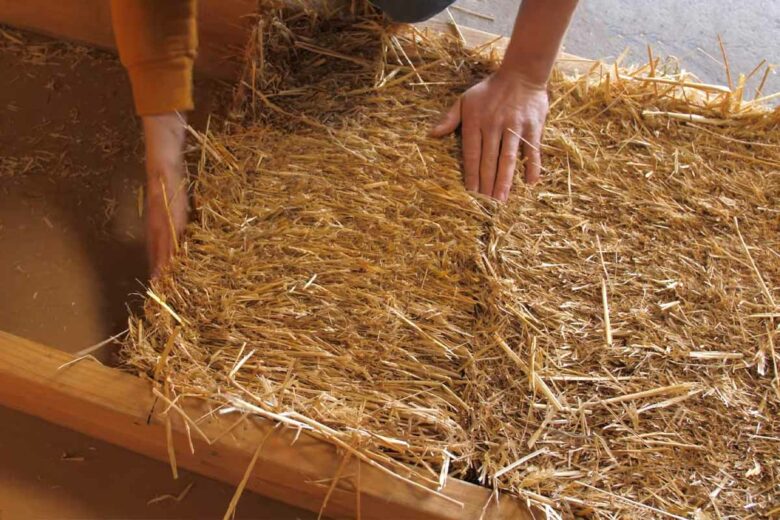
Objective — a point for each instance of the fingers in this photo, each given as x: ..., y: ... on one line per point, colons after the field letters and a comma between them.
x: 167, y: 203
x: 159, y: 257
x: 507, y: 160
x: 166, y: 217
x: 532, y: 142
x: 490, y: 151
x: 449, y: 123
x: 161, y: 241
x: 164, y: 136
x: 159, y: 245
x: 472, y: 152
x: 491, y: 143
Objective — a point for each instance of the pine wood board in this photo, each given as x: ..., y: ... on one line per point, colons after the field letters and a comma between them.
x: 121, y: 408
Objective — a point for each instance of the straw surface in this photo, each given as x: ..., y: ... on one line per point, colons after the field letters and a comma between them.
x: 605, y: 343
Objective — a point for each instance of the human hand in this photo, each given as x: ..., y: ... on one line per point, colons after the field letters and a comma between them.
x: 498, y: 116
x: 167, y: 204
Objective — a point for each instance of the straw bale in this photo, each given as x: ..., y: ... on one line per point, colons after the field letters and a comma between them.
x: 605, y: 342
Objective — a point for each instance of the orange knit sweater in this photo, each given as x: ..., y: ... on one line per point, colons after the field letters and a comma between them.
x: 157, y: 41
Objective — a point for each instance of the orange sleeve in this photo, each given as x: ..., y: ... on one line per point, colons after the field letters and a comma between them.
x: 157, y: 41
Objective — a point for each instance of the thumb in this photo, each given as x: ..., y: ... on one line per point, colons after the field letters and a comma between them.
x: 449, y: 122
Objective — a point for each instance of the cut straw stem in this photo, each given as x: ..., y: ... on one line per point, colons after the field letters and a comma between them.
x: 671, y: 389
x: 753, y: 265
x: 334, y: 483
x: 181, y: 412
x: 98, y: 346
x: 691, y: 118
x: 605, y: 306
x: 706, y: 87
x: 518, y: 462
x: 456, y: 27
x: 536, y: 380
x: 165, y: 307
x: 633, y: 502
x: 245, y: 479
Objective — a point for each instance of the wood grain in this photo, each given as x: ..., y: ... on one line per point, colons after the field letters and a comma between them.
x: 120, y: 408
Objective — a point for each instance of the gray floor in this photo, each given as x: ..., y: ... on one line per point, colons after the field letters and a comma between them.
x: 686, y: 29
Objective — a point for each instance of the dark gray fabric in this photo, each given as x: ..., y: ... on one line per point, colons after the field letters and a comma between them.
x: 411, y: 11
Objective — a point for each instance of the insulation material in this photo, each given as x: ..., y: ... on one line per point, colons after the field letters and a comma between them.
x: 604, y: 344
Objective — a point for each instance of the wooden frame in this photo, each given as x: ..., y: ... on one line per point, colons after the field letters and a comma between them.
x: 120, y: 408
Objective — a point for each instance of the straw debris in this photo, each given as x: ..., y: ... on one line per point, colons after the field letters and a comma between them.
x: 603, y: 344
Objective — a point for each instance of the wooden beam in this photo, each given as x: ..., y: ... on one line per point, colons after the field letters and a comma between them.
x: 120, y: 408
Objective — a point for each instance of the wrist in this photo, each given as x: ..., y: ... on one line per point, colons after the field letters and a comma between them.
x: 164, y: 131
x: 537, y: 37
x: 164, y: 137
x: 521, y: 76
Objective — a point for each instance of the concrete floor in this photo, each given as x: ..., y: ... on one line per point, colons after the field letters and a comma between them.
x: 686, y: 29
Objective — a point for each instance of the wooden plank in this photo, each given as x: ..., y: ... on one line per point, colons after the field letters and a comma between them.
x: 120, y: 408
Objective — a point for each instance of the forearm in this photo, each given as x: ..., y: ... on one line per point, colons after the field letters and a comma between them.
x: 536, y: 38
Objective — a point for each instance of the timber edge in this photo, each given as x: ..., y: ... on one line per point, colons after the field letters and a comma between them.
x: 121, y: 409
